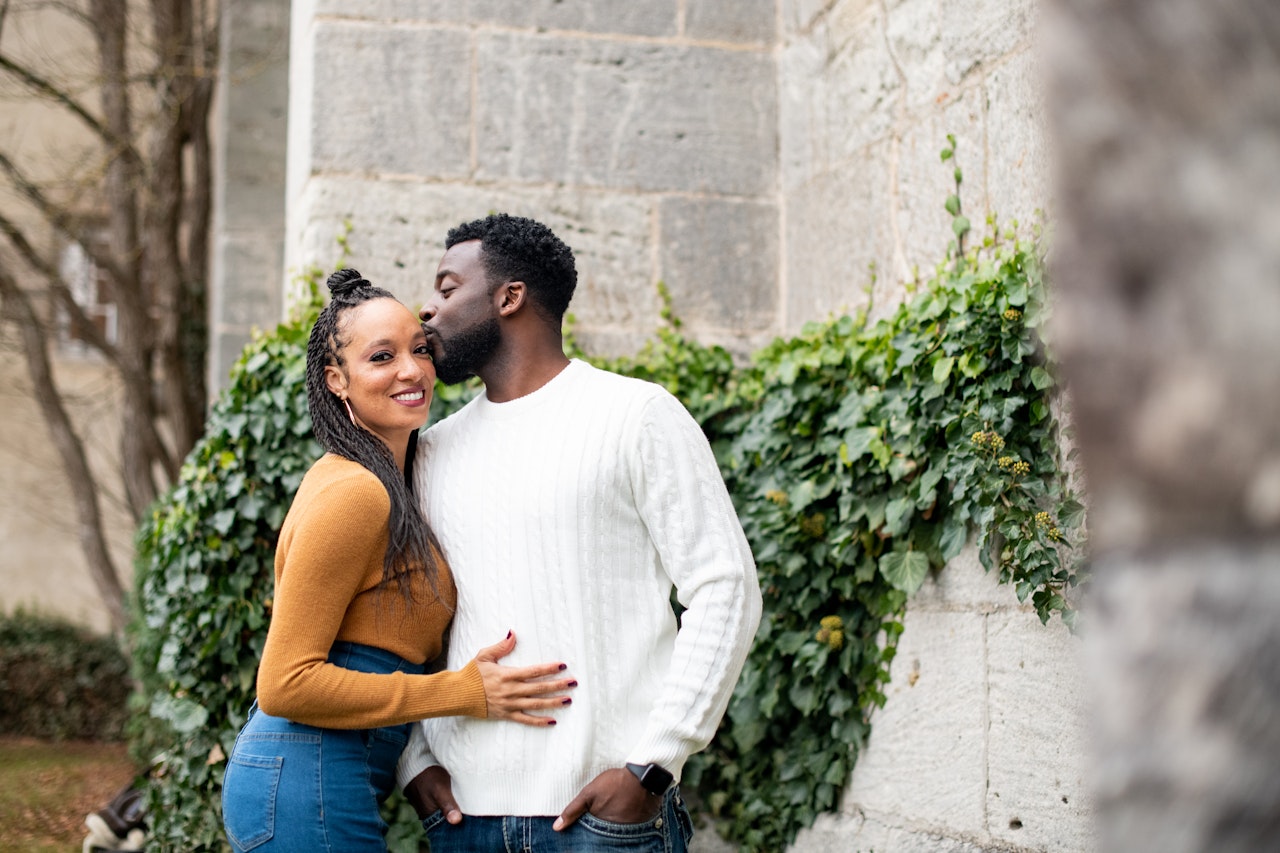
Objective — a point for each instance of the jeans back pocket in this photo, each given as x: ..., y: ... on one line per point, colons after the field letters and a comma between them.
x: 249, y: 799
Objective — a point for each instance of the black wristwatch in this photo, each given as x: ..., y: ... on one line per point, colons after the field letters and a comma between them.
x: 654, y: 778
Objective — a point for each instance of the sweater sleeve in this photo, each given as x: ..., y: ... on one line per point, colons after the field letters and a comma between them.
x: 324, y: 567
x: 682, y: 498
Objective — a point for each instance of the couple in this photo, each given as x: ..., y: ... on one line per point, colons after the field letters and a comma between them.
x: 558, y: 508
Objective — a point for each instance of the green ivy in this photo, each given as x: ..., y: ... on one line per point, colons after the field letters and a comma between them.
x: 861, y: 455
x: 204, y: 579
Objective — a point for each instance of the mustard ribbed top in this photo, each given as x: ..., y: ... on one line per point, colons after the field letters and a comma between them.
x: 328, y: 568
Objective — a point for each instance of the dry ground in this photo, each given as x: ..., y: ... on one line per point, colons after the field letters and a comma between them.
x: 46, y: 789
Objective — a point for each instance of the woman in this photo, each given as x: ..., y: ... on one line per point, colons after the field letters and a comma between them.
x: 362, y: 601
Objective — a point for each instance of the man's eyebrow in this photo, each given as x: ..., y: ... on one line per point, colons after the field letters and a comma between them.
x: 442, y: 275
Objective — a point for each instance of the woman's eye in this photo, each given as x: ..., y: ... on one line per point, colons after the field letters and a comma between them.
x: 380, y: 356
x: 423, y: 349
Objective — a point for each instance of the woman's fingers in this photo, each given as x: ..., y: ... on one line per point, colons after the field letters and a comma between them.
x: 498, y: 650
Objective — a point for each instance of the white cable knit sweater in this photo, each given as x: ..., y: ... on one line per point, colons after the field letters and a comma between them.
x: 566, y: 516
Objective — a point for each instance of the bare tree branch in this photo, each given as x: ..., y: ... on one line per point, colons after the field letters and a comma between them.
x: 60, y: 218
x: 80, y: 321
x: 44, y: 88
x: 70, y: 448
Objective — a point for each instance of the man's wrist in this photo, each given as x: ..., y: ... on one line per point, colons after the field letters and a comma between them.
x: 654, y: 778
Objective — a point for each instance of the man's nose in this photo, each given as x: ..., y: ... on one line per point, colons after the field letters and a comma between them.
x: 428, y: 310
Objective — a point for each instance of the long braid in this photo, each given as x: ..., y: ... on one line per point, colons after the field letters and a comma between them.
x: 411, y: 545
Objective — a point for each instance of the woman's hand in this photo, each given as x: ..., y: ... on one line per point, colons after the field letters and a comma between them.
x: 513, y: 692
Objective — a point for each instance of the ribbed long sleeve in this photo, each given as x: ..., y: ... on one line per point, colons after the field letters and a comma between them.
x: 567, y: 516
x: 328, y: 568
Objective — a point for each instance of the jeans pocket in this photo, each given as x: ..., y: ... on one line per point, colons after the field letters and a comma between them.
x: 249, y: 799
x: 683, y: 819
x: 433, y: 820
x: 637, y: 837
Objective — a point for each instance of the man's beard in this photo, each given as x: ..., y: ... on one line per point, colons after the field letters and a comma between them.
x: 465, y: 353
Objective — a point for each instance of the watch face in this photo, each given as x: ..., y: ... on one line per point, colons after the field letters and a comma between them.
x: 655, y: 779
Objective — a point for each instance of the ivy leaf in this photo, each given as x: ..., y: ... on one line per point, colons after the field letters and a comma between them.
x: 942, y: 369
x: 960, y: 225
x: 184, y: 715
x: 953, y: 205
x: 905, y: 570
x: 955, y: 532
x: 1040, y: 378
x: 1071, y: 514
x: 896, y: 516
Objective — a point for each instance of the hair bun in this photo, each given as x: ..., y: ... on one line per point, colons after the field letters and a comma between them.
x: 346, y: 281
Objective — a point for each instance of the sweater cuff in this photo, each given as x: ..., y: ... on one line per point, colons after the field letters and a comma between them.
x: 473, y: 692
x: 663, y: 749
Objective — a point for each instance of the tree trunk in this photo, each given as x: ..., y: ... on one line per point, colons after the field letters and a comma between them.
x: 138, y: 448
x: 70, y: 448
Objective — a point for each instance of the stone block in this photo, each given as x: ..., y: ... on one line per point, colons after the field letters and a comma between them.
x: 1017, y: 142
x: 253, y: 96
x: 837, y: 226
x: 398, y: 232
x: 913, y: 31
x: 798, y: 16
x: 719, y: 258
x: 865, y: 89
x: 1038, y: 794
x: 981, y: 32
x: 606, y: 114
x: 925, y: 759
x: 924, y: 182
x: 863, y: 833
x: 838, y: 92
x: 963, y: 585
x: 630, y: 17
x: 736, y: 21
x: 224, y: 350
x: 247, y: 269
x: 390, y: 99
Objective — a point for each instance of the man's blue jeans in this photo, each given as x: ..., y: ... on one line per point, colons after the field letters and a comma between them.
x: 668, y: 832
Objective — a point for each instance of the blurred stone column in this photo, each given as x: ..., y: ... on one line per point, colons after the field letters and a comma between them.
x: 250, y: 123
x: 1166, y: 126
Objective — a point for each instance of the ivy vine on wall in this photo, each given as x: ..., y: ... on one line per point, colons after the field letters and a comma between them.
x: 861, y: 456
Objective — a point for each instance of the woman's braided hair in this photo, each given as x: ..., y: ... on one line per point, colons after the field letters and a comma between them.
x: 411, y: 546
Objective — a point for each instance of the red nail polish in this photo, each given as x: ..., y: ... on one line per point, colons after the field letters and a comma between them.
x: 508, y: 635
x: 551, y: 722
x: 572, y: 684
x: 563, y: 667
x: 567, y: 701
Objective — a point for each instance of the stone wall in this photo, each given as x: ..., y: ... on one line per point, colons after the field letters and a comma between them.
x: 980, y: 745
x: 869, y: 90
x: 760, y: 157
x: 645, y: 133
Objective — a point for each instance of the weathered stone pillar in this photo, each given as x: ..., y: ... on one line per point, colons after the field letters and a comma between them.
x: 1167, y: 267
x: 250, y: 133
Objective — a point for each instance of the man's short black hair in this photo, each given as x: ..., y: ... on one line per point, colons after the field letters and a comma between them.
x: 513, y: 248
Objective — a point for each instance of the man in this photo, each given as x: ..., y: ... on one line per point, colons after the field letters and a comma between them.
x: 568, y: 501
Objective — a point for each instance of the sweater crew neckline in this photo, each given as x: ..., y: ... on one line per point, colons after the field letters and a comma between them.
x: 548, y: 392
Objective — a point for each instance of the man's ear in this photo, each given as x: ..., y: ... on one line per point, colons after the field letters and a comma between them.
x: 335, y: 381
x: 511, y: 298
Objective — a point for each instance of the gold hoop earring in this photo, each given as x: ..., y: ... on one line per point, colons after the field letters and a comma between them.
x: 350, y: 413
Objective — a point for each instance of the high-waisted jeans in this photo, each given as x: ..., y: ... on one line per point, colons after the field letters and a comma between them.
x: 293, y: 788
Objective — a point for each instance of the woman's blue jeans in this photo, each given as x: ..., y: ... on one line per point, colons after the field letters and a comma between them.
x: 293, y: 788
x: 668, y: 832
